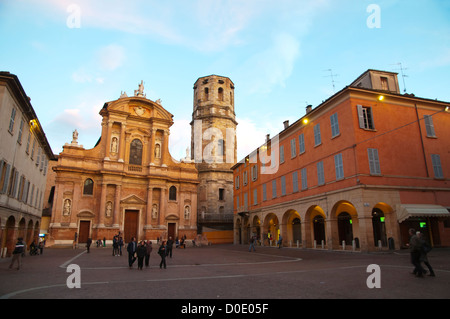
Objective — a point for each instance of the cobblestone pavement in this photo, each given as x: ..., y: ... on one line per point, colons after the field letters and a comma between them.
x: 226, y: 272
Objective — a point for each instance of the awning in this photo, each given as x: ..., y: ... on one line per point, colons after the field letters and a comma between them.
x: 418, y: 210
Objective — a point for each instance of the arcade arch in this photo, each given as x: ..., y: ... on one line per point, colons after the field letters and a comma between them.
x: 292, y: 232
x: 271, y: 228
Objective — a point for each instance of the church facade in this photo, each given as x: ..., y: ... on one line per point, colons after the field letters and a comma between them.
x: 128, y: 182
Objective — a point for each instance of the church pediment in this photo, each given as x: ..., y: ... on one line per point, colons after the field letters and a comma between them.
x: 133, y: 200
x: 85, y: 214
x: 172, y: 217
x: 139, y: 107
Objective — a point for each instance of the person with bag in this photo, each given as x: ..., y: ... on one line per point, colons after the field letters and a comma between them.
x: 162, y: 253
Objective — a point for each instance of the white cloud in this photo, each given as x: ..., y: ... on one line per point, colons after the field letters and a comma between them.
x: 273, y: 66
x: 110, y: 57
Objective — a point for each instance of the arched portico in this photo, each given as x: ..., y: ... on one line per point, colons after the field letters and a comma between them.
x: 271, y: 228
x: 292, y: 232
x: 344, y: 225
x: 316, y: 218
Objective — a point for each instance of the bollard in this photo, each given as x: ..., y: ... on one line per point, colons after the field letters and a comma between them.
x: 323, y: 244
x: 297, y: 243
x: 353, y: 245
x: 343, y: 245
x: 315, y: 244
x: 379, y: 244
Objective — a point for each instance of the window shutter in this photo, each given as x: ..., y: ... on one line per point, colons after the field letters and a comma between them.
x: 360, y: 116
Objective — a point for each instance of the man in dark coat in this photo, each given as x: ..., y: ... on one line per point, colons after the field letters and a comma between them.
x: 131, y: 248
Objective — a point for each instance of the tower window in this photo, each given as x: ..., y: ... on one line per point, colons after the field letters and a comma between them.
x: 206, y: 94
x: 220, y: 94
x: 221, y: 194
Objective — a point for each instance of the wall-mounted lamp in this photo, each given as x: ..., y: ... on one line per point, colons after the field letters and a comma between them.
x: 381, y: 98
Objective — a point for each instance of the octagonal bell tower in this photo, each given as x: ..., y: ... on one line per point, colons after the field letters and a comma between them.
x: 213, y: 149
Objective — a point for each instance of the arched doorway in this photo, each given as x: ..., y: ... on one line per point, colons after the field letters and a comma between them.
x: 345, y: 228
x: 271, y: 229
x: 10, y: 235
x: 256, y: 228
x: 379, y: 227
x: 319, y: 229
x: 292, y: 233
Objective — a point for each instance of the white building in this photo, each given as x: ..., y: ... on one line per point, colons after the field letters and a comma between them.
x: 24, y: 156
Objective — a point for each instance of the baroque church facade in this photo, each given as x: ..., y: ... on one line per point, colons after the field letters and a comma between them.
x: 129, y: 182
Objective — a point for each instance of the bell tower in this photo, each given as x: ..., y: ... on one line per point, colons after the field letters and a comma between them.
x: 213, y: 149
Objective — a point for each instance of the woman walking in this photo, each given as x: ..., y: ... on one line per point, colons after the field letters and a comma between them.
x: 148, y: 251
x: 141, y: 251
x: 162, y: 253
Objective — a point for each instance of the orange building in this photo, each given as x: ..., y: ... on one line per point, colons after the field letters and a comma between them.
x: 356, y: 172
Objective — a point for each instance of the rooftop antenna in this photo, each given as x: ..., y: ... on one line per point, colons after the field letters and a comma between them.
x: 332, y: 78
x: 403, y: 75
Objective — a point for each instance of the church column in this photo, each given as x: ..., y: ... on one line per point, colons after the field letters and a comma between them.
x: 149, y: 204
x: 165, y: 148
x: 102, y: 206
x: 117, y: 205
x: 122, y: 143
x: 108, y: 140
x: 152, y: 147
x: 162, y: 205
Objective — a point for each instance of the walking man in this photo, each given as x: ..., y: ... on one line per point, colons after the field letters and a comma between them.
x: 17, y: 254
x: 131, y: 248
x: 415, y: 246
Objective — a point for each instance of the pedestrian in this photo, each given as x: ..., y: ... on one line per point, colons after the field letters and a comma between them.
x: 120, y: 245
x: 426, y: 248
x: 280, y: 241
x: 88, y: 244
x: 75, y: 241
x: 252, y: 244
x: 169, y: 247
x: 415, y: 247
x: 17, y: 253
x: 131, y: 249
x: 148, y: 251
x: 162, y: 253
x: 115, y: 251
x: 141, y: 251
x: 41, y: 247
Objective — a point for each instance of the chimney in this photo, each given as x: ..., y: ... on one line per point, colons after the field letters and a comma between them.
x: 308, y: 109
x: 286, y: 124
x: 267, y: 138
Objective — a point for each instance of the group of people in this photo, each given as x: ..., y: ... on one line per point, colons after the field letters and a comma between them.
x: 141, y: 251
x: 419, y: 249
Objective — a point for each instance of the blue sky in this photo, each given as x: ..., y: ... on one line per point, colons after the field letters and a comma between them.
x: 73, y: 56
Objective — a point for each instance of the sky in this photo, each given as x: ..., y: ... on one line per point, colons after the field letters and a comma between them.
x: 73, y: 56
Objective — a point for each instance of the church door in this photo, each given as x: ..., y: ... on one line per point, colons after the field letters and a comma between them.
x: 85, y: 226
x: 130, y: 227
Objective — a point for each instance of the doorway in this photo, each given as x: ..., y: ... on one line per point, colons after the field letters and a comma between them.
x: 171, y: 230
x: 345, y: 228
x: 83, y: 233
x: 130, y: 227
